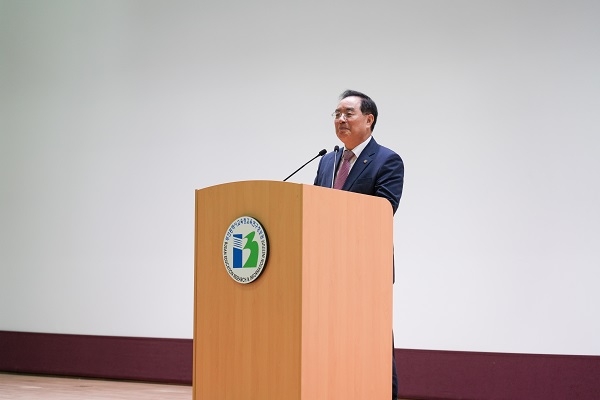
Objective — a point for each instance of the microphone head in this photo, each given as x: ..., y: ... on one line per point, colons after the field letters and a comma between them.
x: 336, y: 148
x: 322, y: 152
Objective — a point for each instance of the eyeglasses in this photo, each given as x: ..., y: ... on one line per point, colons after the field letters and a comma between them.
x: 347, y: 115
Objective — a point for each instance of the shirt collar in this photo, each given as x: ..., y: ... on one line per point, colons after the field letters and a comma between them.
x: 359, y: 149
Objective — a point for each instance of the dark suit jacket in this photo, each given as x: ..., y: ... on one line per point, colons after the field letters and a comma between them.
x: 378, y: 172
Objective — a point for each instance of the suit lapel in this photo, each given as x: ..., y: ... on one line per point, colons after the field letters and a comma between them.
x: 361, y: 163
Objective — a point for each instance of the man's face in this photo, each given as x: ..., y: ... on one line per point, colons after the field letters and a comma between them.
x: 353, y: 127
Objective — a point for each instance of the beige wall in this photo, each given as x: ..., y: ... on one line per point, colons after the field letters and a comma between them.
x: 113, y: 112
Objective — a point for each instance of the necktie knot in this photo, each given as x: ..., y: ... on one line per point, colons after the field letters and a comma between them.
x: 348, y: 154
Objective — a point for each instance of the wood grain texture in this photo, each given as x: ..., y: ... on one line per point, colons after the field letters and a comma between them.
x: 347, y: 295
x: 247, y: 337
x: 30, y: 387
x: 317, y: 322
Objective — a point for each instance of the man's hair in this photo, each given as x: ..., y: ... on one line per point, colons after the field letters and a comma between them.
x: 367, y: 105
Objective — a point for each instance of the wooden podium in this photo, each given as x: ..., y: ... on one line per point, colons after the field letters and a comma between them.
x: 317, y: 323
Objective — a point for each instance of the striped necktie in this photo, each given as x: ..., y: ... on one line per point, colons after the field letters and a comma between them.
x: 344, y: 170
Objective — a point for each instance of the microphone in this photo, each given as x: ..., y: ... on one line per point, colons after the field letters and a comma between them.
x: 321, y: 153
x: 335, y: 151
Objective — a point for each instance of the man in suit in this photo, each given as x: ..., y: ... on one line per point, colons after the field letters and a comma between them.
x: 365, y: 166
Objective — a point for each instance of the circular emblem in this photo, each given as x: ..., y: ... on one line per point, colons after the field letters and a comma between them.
x: 245, y: 249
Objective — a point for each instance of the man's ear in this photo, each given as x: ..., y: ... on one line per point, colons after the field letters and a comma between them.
x: 370, y: 119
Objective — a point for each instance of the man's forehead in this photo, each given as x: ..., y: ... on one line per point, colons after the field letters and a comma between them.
x: 349, y: 108
x: 349, y: 103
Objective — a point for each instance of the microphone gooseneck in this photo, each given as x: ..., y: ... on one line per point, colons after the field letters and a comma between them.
x: 321, y: 153
x: 335, y: 151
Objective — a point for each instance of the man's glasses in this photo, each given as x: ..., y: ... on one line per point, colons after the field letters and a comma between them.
x: 346, y: 115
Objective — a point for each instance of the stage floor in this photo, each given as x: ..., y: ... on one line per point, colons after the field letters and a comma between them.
x: 33, y: 387
x: 30, y: 387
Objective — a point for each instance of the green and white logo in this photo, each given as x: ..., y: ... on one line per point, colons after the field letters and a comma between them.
x: 245, y: 249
